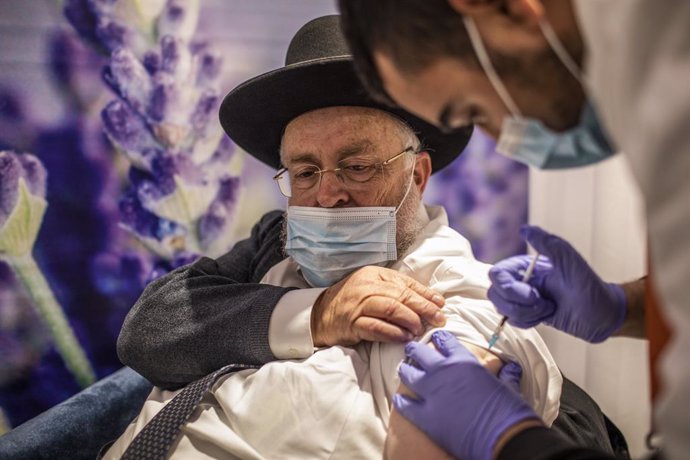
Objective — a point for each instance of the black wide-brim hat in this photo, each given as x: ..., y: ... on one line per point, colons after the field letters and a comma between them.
x: 318, y: 73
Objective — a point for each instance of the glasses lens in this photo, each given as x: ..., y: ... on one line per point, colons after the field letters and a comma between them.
x: 358, y: 172
x: 304, y: 177
x: 284, y: 184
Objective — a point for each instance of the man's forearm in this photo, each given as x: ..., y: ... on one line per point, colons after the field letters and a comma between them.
x: 634, y: 325
x: 185, y: 327
x: 201, y: 317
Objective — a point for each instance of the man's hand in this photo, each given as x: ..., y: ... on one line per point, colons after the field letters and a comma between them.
x: 374, y: 304
x: 563, y: 292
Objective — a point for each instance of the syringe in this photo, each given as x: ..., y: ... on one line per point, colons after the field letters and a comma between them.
x: 499, y: 329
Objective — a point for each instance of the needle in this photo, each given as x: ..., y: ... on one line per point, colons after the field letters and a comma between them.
x: 499, y: 329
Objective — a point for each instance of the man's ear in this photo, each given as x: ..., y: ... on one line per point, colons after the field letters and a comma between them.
x: 422, y: 170
x: 523, y: 11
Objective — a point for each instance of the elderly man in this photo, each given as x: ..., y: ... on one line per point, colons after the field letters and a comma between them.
x: 369, y: 266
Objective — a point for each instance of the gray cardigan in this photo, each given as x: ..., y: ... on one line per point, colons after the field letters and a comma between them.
x: 205, y: 315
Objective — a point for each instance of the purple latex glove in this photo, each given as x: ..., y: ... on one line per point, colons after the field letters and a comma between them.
x: 459, y: 405
x: 563, y: 291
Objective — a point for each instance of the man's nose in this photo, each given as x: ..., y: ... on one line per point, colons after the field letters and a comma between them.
x: 331, y: 191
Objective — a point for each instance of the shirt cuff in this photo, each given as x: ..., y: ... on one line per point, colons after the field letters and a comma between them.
x: 289, y: 331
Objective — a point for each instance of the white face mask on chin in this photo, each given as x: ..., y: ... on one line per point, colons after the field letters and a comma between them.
x: 526, y: 139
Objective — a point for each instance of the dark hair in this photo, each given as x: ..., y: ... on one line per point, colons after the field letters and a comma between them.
x: 412, y: 32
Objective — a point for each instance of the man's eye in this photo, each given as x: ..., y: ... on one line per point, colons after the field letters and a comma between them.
x: 304, y: 174
x: 355, y: 168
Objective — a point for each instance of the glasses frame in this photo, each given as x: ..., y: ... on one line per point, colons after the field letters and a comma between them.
x: 321, y: 172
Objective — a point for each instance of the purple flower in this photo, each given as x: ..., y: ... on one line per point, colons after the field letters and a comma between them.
x: 129, y: 78
x: 149, y: 226
x: 210, y: 64
x: 22, y: 201
x: 74, y: 68
x: 128, y: 130
x: 163, y: 267
x: 15, y: 126
x: 176, y: 58
x: 121, y: 276
x: 204, y: 111
x: 179, y: 18
x: 83, y: 19
x: 183, y: 193
x: 214, y: 223
x: 175, y: 189
x: 110, y: 24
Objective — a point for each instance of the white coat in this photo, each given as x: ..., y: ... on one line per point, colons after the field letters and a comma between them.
x: 638, y: 67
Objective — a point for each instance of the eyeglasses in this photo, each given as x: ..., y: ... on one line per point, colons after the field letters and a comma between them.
x: 351, y: 172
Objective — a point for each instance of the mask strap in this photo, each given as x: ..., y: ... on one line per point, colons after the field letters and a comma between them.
x: 489, y: 70
x: 407, y: 192
x: 558, y: 48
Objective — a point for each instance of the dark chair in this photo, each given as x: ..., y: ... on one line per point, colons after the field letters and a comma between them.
x: 582, y: 421
x: 79, y: 427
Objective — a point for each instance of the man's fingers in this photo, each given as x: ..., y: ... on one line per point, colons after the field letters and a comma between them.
x: 414, y: 285
x: 395, y: 312
x: 378, y: 330
x: 430, y: 312
x: 425, y: 292
x: 379, y: 281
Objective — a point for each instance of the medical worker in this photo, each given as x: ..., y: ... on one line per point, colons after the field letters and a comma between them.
x: 548, y: 79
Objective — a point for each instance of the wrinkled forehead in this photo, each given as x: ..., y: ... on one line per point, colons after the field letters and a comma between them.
x: 338, y: 131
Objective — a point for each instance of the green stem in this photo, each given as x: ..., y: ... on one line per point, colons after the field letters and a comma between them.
x: 5, y: 426
x: 35, y: 283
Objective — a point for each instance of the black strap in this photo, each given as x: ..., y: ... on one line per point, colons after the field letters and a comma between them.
x: 155, y: 440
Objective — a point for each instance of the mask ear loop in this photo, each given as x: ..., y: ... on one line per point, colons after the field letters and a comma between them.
x: 557, y: 46
x: 488, y: 67
x: 407, y: 192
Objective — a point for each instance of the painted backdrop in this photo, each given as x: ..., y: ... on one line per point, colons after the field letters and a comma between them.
x: 114, y: 171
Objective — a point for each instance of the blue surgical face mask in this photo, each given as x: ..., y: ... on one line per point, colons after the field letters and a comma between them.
x: 330, y: 243
x: 527, y: 140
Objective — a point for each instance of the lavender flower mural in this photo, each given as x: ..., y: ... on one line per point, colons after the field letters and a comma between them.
x: 22, y: 206
x: 183, y: 190
x: 79, y: 224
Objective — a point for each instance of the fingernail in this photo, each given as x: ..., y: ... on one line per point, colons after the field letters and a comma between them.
x: 438, y: 299
x: 439, y: 319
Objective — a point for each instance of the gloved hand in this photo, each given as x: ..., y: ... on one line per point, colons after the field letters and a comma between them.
x: 563, y: 291
x: 459, y: 405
